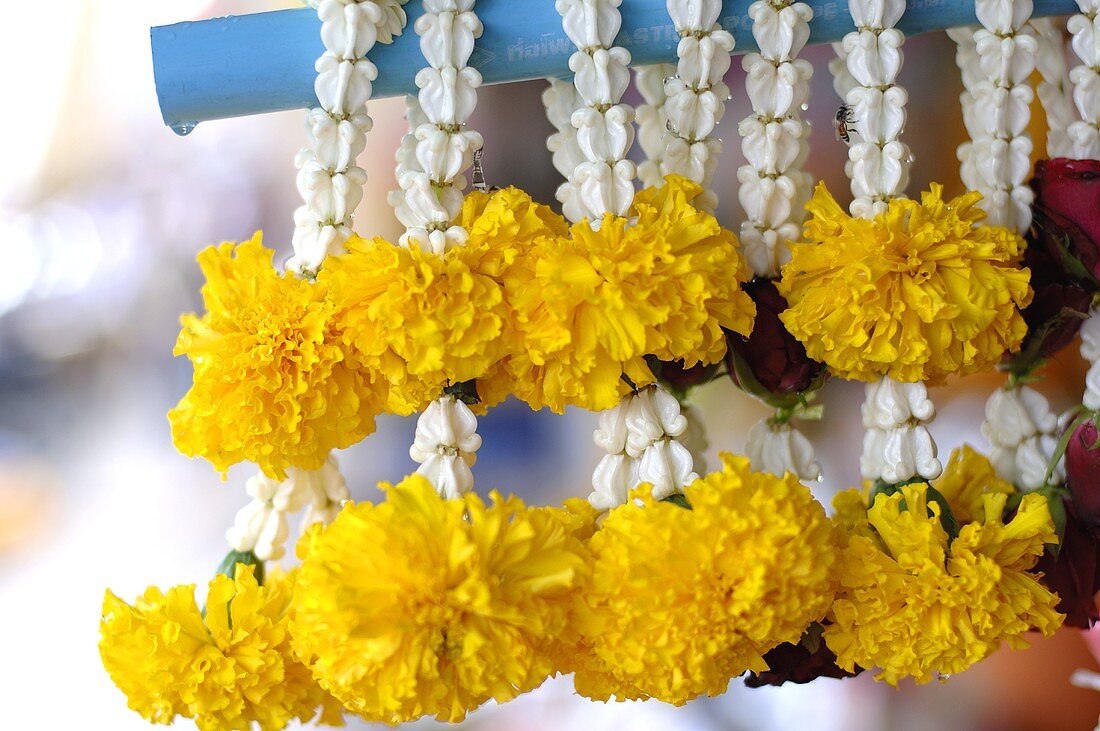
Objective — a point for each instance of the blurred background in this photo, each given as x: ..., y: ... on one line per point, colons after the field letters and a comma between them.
x: 102, y: 210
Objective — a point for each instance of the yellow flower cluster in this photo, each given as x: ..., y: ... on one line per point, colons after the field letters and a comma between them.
x: 681, y: 600
x: 915, y: 603
x: 918, y: 293
x: 592, y: 305
x: 424, y: 606
x: 287, y: 370
x: 227, y: 668
x: 425, y: 321
x: 272, y: 384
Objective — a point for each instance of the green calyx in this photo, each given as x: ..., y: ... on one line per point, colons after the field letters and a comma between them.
x: 678, y: 499
x: 228, y: 566
x: 466, y: 392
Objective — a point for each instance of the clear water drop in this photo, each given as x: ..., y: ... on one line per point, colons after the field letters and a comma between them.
x: 184, y: 128
x: 805, y: 107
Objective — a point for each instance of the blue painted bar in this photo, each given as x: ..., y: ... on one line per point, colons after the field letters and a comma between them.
x: 252, y: 64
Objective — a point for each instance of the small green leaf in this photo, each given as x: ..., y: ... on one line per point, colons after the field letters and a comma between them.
x: 678, y: 499
x: 228, y: 566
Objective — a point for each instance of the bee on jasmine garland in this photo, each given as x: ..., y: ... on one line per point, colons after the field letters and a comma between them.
x: 842, y: 124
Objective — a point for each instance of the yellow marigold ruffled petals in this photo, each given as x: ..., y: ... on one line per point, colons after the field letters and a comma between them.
x: 681, y: 600
x: 918, y: 293
x: 590, y: 306
x: 916, y: 604
x: 227, y: 668
x: 426, y: 321
x: 968, y: 482
x: 271, y: 382
x: 421, y: 606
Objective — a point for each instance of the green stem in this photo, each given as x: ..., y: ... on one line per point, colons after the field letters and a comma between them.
x: 1063, y: 442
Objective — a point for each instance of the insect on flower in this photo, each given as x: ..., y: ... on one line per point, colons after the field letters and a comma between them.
x: 477, y: 175
x: 842, y: 124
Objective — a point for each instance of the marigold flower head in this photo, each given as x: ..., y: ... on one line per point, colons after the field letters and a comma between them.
x: 918, y: 293
x: 421, y: 606
x: 915, y: 603
x: 271, y: 384
x: 681, y: 600
x: 592, y: 305
x: 420, y: 319
x: 229, y: 668
x: 426, y: 321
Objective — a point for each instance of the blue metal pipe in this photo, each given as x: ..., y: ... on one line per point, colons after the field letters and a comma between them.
x: 252, y: 64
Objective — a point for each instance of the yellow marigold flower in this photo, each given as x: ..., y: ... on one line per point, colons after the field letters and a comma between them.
x: 420, y: 319
x: 681, y: 600
x: 421, y: 606
x: 914, y: 603
x: 967, y: 479
x: 592, y: 305
x: 229, y: 668
x: 918, y: 293
x: 426, y: 321
x: 272, y: 384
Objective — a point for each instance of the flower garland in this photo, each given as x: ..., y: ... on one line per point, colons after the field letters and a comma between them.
x: 434, y: 601
x: 922, y: 561
x: 228, y: 665
x: 773, y: 192
x: 433, y: 158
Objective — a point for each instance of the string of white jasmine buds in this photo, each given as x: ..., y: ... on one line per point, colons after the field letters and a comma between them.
x: 897, y: 445
x: 431, y: 165
x: 331, y: 186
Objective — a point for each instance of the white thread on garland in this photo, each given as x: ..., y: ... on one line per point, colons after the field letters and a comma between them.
x: 695, y: 96
x: 640, y: 437
x: 560, y: 100
x: 997, y: 159
x: 1084, y: 134
x: 996, y: 61
x: 331, y: 186
x: 779, y: 448
x: 431, y: 165
x: 446, y: 445
x: 604, y: 181
x: 262, y: 526
x: 652, y: 122
x: 1055, y: 90
x: 437, y: 151
x: 897, y: 445
x: 1023, y: 432
x: 329, y: 181
x: 774, y: 139
x: 774, y: 189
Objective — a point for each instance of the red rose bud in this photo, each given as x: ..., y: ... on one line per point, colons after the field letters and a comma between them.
x: 679, y: 379
x: 771, y: 364
x: 1083, y: 473
x: 1067, y: 203
x: 1057, y: 310
x: 796, y: 663
x: 1073, y: 571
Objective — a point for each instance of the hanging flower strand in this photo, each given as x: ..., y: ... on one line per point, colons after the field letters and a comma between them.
x: 775, y: 142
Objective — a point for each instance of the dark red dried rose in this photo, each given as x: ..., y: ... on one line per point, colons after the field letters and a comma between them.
x: 1057, y: 310
x: 1083, y: 473
x: 770, y: 364
x: 1074, y: 573
x: 795, y: 663
x: 679, y: 379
